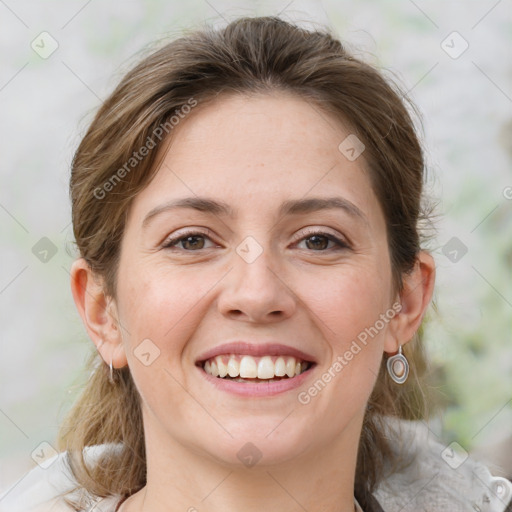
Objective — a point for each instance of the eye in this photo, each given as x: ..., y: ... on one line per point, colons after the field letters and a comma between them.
x: 191, y: 241
x: 315, y: 240
x: 319, y: 241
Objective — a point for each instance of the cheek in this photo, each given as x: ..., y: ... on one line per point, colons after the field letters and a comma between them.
x: 349, y: 306
x: 349, y: 301
x: 158, y: 310
x: 163, y: 303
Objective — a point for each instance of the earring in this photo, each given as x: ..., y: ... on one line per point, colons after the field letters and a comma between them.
x: 398, y: 367
x: 111, y: 374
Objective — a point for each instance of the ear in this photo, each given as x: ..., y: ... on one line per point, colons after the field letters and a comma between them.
x: 98, y: 312
x: 418, y: 287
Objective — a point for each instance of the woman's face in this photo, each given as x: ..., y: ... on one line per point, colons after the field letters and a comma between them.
x: 265, y: 267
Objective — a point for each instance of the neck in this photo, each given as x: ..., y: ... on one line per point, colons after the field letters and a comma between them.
x: 320, y: 478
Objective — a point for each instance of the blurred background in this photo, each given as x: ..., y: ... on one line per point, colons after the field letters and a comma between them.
x: 60, y: 59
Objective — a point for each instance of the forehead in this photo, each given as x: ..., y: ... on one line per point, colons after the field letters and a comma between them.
x: 252, y: 150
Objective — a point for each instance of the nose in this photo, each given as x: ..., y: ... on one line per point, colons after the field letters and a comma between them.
x: 257, y: 291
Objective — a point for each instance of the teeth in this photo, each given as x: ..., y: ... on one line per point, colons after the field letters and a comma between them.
x: 265, y: 368
x: 248, y: 367
x: 290, y: 367
x: 223, y: 369
x: 280, y: 367
x: 233, y: 367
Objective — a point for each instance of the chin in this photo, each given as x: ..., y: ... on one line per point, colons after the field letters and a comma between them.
x: 256, y: 447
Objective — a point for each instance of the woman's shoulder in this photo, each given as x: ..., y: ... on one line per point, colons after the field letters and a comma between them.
x: 436, y: 477
x: 40, y: 489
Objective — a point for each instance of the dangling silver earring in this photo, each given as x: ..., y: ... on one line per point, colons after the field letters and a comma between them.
x: 111, y: 374
x: 398, y: 367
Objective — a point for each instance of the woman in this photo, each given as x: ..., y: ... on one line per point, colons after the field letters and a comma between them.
x: 246, y: 206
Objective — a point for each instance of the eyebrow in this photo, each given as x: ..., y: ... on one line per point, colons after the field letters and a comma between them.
x: 290, y: 207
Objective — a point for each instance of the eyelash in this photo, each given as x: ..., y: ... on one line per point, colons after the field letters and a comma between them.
x: 171, y: 242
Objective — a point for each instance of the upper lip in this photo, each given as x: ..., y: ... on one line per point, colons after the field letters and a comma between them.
x: 256, y: 350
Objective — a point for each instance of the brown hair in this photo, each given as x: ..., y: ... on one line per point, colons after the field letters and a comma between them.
x: 250, y: 55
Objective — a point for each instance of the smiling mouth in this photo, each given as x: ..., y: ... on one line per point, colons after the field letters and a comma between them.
x: 249, y: 369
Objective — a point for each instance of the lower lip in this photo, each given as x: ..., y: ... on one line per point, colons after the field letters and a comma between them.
x: 257, y: 389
